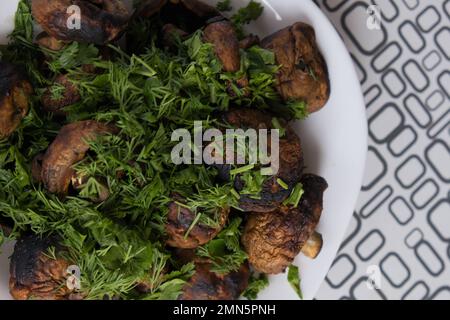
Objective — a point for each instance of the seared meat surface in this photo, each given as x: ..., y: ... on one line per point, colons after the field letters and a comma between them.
x: 33, y: 274
x: 102, y: 21
x: 68, y: 148
x: 226, y: 44
x: 290, y: 166
x: 180, y: 219
x: 273, y: 240
x: 188, y: 15
x: 15, y: 93
x: 207, y: 285
x: 67, y: 97
x: 303, y: 74
x: 49, y: 42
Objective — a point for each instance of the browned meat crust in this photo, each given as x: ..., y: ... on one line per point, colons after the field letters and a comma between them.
x: 69, y: 96
x: 149, y: 8
x: 303, y: 74
x: 15, y: 93
x: 226, y: 44
x: 48, y: 42
x: 189, y: 15
x: 179, y: 219
x: 273, y: 240
x: 291, y: 160
x: 102, y: 21
x: 249, y: 41
x: 206, y: 285
x: 170, y: 33
x: 68, y: 148
x: 33, y: 274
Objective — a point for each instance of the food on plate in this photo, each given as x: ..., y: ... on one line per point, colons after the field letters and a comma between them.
x: 100, y: 21
x: 60, y: 94
x: 208, y: 285
x: 290, y: 162
x: 273, y: 240
x: 15, y: 92
x: 92, y: 162
x: 68, y: 148
x: 49, y: 42
x: 179, y: 228
x: 35, y: 273
x: 226, y: 44
x: 303, y: 74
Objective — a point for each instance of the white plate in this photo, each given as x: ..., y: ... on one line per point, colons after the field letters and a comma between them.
x: 334, y: 139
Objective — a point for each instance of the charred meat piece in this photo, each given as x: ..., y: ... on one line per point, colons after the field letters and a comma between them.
x: 56, y: 101
x: 303, y: 75
x: 35, y: 275
x: 170, y: 33
x: 15, y: 93
x: 207, y: 285
x: 226, y: 44
x: 49, y: 42
x: 273, y: 240
x: 290, y: 161
x: 188, y: 15
x: 6, y: 226
x: 101, y: 21
x: 68, y: 148
x: 249, y: 41
x: 179, y: 221
x: 149, y: 8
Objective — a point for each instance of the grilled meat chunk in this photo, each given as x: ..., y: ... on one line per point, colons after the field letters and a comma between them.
x: 49, y: 42
x: 170, y: 33
x: 179, y: 221
x: 15, y: 93
x: 226, y: 44
x: 290, y: 161
x: 249, y: 41
x: 188, y: 15
x: 68, y: 148
x: 55, y: 103
x: 35, y: 275
x: 207, y: 285
x: 303, y: 74
x: 273, y: 240
x: 101, y: 21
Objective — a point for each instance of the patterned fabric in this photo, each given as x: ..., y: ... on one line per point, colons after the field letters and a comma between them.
x: 399, y: 237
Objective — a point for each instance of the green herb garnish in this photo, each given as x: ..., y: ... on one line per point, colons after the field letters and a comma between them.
x: 293, y: 277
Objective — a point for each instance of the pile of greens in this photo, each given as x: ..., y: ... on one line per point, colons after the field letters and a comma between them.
x: 147, y: 92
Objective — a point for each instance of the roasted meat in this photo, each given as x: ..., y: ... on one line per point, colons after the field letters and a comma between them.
x: 188, y: 15
x: 36, y: 275
x: 68, y: 95
x: 149, y: 8
x: 49, y: 42
x: 249, y: 41
x: 303, y: 74
x: 273, y: 240
x: 226, y: 44
x: 207, y: 285
x: 170, y: 33
x: 101, y: 21
x: 179, y: 221
x: 68, y: 148
x: 290, y: 161
x: 15, y: 93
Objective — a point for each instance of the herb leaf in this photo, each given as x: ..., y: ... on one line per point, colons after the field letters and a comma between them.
x: 293, y: 277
